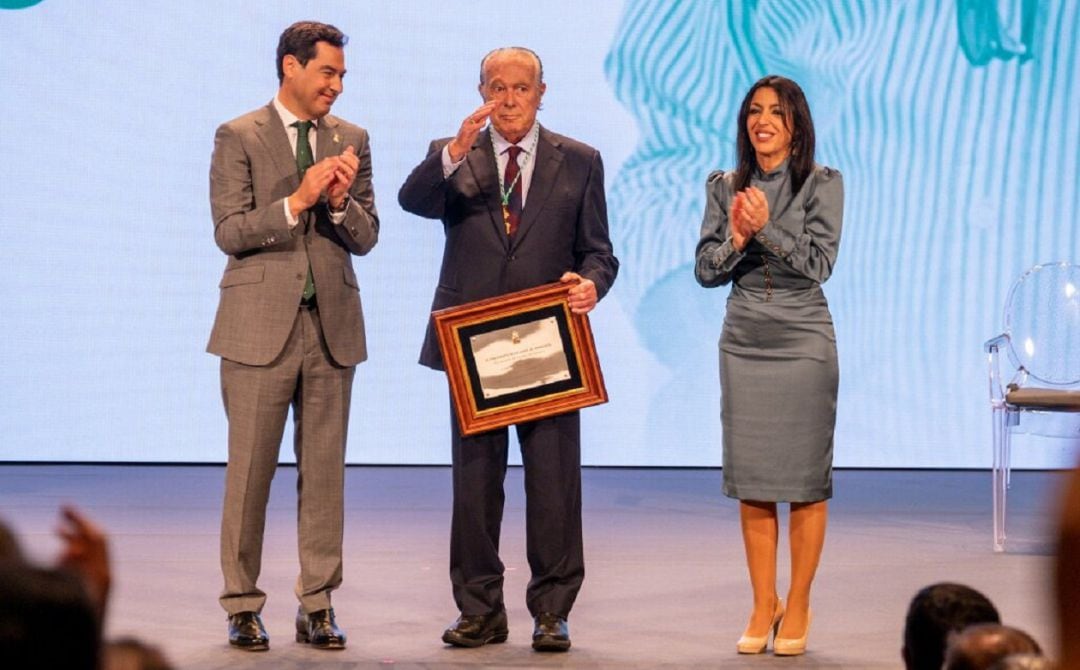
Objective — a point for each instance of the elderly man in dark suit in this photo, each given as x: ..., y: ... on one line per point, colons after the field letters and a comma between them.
x: 291, y: 197
x: 521, y: 206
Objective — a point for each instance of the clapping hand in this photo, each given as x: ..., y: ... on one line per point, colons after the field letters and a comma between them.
x: 740, y: 234
x: 333, y: 175
x: 749, y: 214
x: 345, y: 168
x: 316, y: 181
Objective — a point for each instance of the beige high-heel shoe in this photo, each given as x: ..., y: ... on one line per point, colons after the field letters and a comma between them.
x: 756, y: 645
x: 791, y: 646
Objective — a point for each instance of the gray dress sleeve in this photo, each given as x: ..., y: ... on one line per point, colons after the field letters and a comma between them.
x: 716, y: 256
x: 812, y: 252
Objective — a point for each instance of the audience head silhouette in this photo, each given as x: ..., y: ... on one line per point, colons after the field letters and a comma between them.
x: 980, y: 646
x: 37, y: 602
x: 1024, y: 662
x: 936, y: 611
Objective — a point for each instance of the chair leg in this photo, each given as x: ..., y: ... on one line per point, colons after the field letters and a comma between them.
x: 1000, y: 475
x: 1011, y: 419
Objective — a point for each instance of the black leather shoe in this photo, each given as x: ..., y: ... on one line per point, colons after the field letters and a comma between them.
x: 246, y: 632
x: 476, y: 630
x: 551, y: 633
x: 319, y: 629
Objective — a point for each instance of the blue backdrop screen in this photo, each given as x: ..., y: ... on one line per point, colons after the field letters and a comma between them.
x: 954, y: 124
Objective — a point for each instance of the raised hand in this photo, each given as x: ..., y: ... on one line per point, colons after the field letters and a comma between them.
x: 86, y: 553
x: 470, y: 128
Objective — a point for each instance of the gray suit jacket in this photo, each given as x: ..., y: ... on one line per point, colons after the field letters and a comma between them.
x: 252, y: 170
x: 563, y: 226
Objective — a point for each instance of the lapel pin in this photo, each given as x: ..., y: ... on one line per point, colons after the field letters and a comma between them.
x: 337, y: 138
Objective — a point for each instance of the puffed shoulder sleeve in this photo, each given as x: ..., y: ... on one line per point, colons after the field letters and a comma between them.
x: 716, y: 255
x: 812, y: 252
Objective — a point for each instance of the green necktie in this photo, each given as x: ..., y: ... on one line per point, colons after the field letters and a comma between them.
x: 304, y: 160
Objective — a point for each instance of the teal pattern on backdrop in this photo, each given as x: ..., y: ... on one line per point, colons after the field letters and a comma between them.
x: 956, y: 128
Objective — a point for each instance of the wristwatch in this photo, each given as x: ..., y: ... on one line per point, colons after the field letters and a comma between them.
x: 339, y: 210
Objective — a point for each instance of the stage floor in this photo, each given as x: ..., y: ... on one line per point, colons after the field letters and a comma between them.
x: 665, y: 583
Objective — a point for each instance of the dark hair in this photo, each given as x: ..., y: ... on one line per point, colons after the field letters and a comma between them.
x: 300, y: 38
x: 35, y: 603
x: 793, y: 104
x: 520, y: 50
x: 980, y: 646
x: 935, y: 611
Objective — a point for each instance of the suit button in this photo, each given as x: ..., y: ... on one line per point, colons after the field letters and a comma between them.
x: 511, y: 257
x: 299, y: 276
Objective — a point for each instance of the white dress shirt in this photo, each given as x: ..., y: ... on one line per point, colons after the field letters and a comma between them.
x: 526, y: 159
x: 288, y: 118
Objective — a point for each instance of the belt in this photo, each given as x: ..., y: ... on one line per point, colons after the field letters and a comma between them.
x: 309, y: 303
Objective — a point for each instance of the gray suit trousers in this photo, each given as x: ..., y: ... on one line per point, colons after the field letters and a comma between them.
x: 257, y: 400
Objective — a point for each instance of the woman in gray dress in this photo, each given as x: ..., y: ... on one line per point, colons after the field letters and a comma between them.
x: 771, y: 230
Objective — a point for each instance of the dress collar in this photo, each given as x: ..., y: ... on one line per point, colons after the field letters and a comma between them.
x: 775, y: 173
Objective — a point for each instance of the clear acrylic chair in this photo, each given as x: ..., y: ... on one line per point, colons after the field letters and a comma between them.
x: 1042, y: 346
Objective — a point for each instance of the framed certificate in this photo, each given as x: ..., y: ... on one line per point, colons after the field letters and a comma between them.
x: 518, y: 357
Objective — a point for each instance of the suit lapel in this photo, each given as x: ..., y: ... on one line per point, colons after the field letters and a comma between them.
x: 327, y: 139
x: 481, y: 160
x: 548, y: 161
x: 271, y: 132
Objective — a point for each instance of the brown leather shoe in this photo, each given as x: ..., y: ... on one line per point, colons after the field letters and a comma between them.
x: 319, y: 629
x: 551, y: 633
x: 476, y: 630
x: 246, y: 631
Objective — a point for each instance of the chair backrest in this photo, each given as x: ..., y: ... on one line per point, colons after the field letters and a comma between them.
x: 1042, y: 320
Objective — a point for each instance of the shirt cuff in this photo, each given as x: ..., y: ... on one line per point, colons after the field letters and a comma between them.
x: 449, y: 167
x: 776, y: 240
x: 726, y: 256
x: 289, y: 218
x: 337, y: 216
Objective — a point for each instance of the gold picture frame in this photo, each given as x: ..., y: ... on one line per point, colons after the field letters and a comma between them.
x: 518, y: 357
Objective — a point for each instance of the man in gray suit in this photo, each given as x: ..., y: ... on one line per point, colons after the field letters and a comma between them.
x: 291, y: 197
x: 521, y: 206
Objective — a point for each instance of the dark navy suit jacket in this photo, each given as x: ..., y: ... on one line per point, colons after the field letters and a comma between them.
x: 563, y: 225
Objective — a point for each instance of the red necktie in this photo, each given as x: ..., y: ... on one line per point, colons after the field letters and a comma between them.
x: 512, y: 185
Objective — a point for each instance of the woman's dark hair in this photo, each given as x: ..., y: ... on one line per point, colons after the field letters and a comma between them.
x: 300, y: 38
x: 794, y: 106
